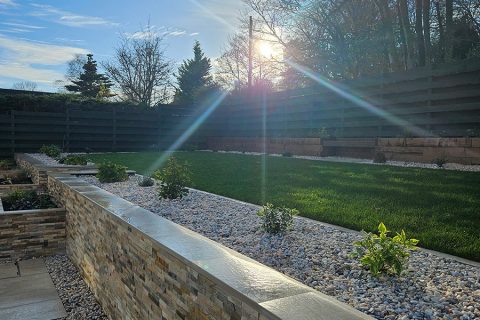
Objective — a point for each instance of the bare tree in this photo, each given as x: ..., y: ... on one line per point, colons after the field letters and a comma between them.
x: 25, y: 86
x: 140, y: 69
x: 75, y: 67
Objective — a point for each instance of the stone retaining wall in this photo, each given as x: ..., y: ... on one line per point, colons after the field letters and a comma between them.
x: 32, y: 233
x: 34, y: 168
x: 426, y: 150
x: 142, y: 266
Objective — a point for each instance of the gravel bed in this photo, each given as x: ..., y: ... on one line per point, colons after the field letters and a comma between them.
x: 447, y: 166
x: 78, y: 300
x: 433, y: 287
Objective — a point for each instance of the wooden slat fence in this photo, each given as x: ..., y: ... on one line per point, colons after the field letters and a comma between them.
x: 441, y: 101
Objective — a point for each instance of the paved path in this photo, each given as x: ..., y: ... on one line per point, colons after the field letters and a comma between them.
x: 27, y: 292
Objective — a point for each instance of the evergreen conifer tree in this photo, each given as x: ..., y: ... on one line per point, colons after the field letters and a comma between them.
x: 91, y: 83
x: 194, y: 79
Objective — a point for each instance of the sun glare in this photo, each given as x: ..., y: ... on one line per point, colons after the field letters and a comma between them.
x: 266, y: 49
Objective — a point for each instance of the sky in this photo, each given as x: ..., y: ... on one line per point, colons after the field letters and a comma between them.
x: 38, y: 38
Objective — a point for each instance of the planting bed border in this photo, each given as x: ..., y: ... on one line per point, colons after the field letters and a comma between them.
x: 32, y: 233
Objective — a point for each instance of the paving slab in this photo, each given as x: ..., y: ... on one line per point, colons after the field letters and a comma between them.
x: 50, y: 309
x: 30, y: 294
x: 31, y: 267
x: 8, y: 270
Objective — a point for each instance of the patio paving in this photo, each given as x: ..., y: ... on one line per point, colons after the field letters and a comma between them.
x: 27, y: 292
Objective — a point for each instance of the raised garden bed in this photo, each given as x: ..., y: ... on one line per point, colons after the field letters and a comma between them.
x: 432, y: 287
x: 15, y: 176
x: 20, y: 200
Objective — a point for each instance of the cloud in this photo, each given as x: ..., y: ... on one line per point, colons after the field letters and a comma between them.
x: 154, y: 31
x: 7, y: 3
x: 15, y: 30
x: 21, y: 25
x: 68, y: 18
x: 194, y: 34
x: 29, y: 60
x: 26, y: 72
x: 177, y: 33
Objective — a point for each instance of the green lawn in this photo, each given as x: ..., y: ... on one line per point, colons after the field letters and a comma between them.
x: 439, y: 207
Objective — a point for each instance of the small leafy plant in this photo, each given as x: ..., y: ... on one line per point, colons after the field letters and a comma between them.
x: 174, y: 178
x: 74, y: 159
x: 379, y: 158
x: 146, y: 182
x: 26, y: 200
x: 6, y: 164
x: 440, y: 161
x: 383, y: 254
x: 111, y: 172
x: 52, y: 151
x: 276, y: 219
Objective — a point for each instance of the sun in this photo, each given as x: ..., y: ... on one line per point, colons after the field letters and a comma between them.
x: 266, y: 49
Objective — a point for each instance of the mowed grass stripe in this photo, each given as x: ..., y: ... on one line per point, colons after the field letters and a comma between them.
x: 439, y: 207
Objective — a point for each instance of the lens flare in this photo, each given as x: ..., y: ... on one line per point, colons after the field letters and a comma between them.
x: 348, y: 94
x: 216, y: 100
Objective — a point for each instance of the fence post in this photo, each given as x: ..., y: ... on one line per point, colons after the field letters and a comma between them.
x: 12, y: 130
x: 114, y: 129
x: 67, y: 133
x: 429, y: 94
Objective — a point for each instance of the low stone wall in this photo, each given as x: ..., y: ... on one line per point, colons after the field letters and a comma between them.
x: 32, y: 233
x: 142, y: 266
x: 34, y: 168
x: 426, y: 150
x: 6, y: 189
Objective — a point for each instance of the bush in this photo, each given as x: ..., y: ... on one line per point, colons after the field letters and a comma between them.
x: 146, y: 182
x: 52, y: 150
x: 440, y: 161
x: 174, y: 178
x: 276, y: 219
x: 111, y: 172
x: 379, y: 158
x: 73, y: 159
x: 26, y: 200
x: 287, y: 154
x: 6, y: 164
x: 383, y: 254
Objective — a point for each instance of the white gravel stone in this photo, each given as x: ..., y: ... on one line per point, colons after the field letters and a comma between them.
x: 447, y: 166
x: 318, y: 255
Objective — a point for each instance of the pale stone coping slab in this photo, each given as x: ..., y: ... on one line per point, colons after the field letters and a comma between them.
x: 33, y: 211
x: 235, y: 273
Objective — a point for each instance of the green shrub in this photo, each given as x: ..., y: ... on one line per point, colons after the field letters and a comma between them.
x: 379, y: 158
x: 383, y: 254
x: 111, y: 172
x: 6, y: 164
x: 276, y: 219
x: 287, y: 154
x: 146, y: 182
x: 440, y: 161
x: 52, y: 150
x: 174, y: 178
x: 26, y: 200
x: 74, y: 159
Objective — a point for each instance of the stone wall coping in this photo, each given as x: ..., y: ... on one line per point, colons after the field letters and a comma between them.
x: 277, y: 295
x: 33, y: 211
